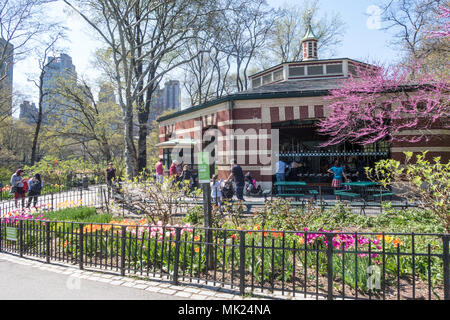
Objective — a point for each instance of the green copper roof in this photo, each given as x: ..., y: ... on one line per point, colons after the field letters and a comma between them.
x: 309, y: 34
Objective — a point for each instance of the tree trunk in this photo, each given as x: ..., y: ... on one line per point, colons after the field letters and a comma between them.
x: 39, y: 119
x: 130, y: 148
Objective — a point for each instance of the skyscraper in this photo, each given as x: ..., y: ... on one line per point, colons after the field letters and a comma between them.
x: 172, y: 97
x: 57, y: 68
x: 6, y: 76
x: 106, y: 93
x: 167, y: 98
x: 28, y: 112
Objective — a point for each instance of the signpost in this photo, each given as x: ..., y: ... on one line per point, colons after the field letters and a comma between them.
x: 11, y: 233
x: 204, y: 179
x: 203, y: 168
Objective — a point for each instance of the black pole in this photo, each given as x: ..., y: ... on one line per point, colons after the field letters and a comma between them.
x: 208, y: 224
x: 330, y: 266
x: 81, y: 246
x: 177, y: 256
x: 47, y: 241
x: 446, y: 258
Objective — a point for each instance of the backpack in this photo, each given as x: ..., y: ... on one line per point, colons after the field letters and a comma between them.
x: 36, y: 186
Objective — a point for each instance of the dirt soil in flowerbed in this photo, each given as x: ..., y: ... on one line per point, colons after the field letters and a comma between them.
x: 319, y: 287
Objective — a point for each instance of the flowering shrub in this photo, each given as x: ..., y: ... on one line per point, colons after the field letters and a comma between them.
x: 157, y: 201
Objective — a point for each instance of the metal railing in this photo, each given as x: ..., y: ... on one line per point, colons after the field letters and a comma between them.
x: 331, y: 265
x: 95, y: 196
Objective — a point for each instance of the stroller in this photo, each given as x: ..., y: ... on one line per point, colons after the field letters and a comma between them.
x: 227, y: 190
x: 251, y: 188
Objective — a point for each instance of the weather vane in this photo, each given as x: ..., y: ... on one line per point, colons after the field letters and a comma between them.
x: 308, y: 17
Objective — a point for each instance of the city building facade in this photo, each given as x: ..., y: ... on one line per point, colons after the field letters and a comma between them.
x: 277, y: 120
x: 57, y: 68
x: 167, y: 98
x: 28, y: 112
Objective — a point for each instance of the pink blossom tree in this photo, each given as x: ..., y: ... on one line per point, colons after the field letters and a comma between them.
x: 444, y: 15
x: 378, y: 103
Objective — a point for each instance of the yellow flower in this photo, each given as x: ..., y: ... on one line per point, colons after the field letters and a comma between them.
x: 301, y: 240
x: 388, y: 239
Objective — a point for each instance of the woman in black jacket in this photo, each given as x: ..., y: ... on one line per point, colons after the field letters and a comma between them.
x: 34, y: 189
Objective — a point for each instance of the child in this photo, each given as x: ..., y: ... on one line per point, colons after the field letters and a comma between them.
x: 338, y: 173
x: 216, y: 190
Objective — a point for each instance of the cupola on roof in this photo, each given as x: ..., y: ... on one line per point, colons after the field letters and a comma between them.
x: 309, y: 45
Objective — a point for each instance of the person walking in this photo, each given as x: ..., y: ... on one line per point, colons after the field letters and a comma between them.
x: 110, y: 174
x: 293, y: 171
x: 159, y: 171
x: 17, y: 187
x: 111, y: 177
x: 173, y: 169
x: 280, y: 173
x: 34, y: 189
x: 186, y: 177
x: 180, y: 167
x: 239, y: 181
x: 338, y: 173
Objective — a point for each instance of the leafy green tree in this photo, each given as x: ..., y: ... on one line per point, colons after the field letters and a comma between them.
x: 54, y: 170
x: 95, y: 125
x: 422, y: 181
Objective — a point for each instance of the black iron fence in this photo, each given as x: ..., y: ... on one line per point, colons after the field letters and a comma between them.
x: 95, y: 196
x: 101, y: 197
x: 330, y: 265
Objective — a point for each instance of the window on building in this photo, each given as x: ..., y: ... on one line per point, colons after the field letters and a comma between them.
x: 256, y: 82
x: 315, y: 70
x: 267, y: 78
x: 351, y: 69
x: 296, y: 71
x: 334, y: 68
x: 278, y: 75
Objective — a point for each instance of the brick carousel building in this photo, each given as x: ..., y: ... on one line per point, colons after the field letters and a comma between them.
x: 277, y: 118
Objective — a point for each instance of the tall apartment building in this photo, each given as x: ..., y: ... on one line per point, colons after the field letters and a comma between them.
x: 167, y: 98
x: 106, y: 94
x: 56, y: 68
x: 172, y: 95
x: 6, y: 76
x: 28, y: 112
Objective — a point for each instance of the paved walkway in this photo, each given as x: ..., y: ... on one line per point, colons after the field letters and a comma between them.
x: 22, y: 278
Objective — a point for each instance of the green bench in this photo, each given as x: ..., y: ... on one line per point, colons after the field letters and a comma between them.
x: 347, y: 194
x: 385, y: 194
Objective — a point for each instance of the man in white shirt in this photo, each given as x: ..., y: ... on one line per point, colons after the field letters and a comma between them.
x: 280, y: 173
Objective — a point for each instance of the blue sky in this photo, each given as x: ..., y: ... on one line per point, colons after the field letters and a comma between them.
x: 360, y: 42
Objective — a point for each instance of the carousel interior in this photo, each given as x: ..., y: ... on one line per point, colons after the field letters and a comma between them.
x: 300, y: 147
